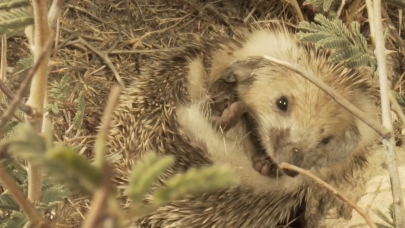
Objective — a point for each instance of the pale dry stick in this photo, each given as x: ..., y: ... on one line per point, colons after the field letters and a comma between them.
x: 389, y: 143
x: 53, y: 20
x: 3, y: 63
x: 352, y: 11
x: 330, y: 188
x: 54, y: 13
x: 297, y: 9
x: 384, y: 133
x: 370, y: 13
x: 38, y: 88
x: 57, y: 35
x: 146, y: 51
x: 339, y: 12
x: 116, y: 28
x: 24, y: 86
x: 396, y: 108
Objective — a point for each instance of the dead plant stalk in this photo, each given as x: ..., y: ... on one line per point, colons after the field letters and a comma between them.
x: 389, y: 143
x: 330, y: 188
x: 38, y: 88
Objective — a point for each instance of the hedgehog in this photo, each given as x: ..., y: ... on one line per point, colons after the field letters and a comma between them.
x: 168, y: 109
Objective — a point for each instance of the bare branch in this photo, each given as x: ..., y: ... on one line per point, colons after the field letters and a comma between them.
x: 38, y: 90
x: 330, y: 188
x: 389, y: 143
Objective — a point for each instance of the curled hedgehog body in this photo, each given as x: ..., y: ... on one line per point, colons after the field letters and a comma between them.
x: 167, y: 110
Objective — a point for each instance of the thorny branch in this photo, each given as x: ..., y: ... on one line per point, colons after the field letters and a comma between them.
x: 389, y: 143
x: 38, y: 92
x: 330, y: 188
x: 24, y: 86
x: 384, y: 133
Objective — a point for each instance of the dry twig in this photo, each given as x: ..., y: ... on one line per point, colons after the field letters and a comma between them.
x: 105, y: 58
x: 389, y: 143
x: 330, y: 188
x: 393, y: 30
x: 3, y: 65
x: 384, y: 133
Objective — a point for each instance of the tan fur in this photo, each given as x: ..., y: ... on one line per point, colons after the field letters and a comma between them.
x: 166, y: 110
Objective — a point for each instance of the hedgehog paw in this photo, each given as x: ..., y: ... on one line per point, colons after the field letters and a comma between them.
x: 263, y: 165
x: 229, y: 115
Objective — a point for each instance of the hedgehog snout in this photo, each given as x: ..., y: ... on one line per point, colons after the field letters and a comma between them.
x: 290, y: 154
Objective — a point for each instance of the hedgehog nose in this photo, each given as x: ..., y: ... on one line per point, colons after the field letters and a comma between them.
x: 297, y: 161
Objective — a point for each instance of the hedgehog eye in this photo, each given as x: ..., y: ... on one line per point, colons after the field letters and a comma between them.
x: 282, y: 103
x: 326, y: 140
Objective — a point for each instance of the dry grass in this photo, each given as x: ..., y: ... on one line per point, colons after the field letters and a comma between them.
x: 104, y: 42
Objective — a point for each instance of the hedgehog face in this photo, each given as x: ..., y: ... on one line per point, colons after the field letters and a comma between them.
x: 297, y: 122
x: 300, y: 124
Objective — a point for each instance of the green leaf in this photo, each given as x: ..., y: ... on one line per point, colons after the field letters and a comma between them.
x: 23, y: 65
x: 340, y: 55
x: 68, y: 162
x: 10, y: 126
x: 335, y: 43
x: 14, y: 4
x: 52, y: 197
x: 326, y: 5
x: 314, y: 37
x: 356, y: 62
x: 17, y: 220
x: 16, y: 19
x: 145, y: 173
x: 7, y: 203
x: 78, y: 120
x: 26, y: 143
x: 200, y: 180
x: 383, y: 217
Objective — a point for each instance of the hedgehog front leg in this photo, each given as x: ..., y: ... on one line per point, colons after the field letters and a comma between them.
x: 227, y: 114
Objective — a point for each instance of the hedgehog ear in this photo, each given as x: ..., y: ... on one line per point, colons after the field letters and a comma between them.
x: 241, y: 70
